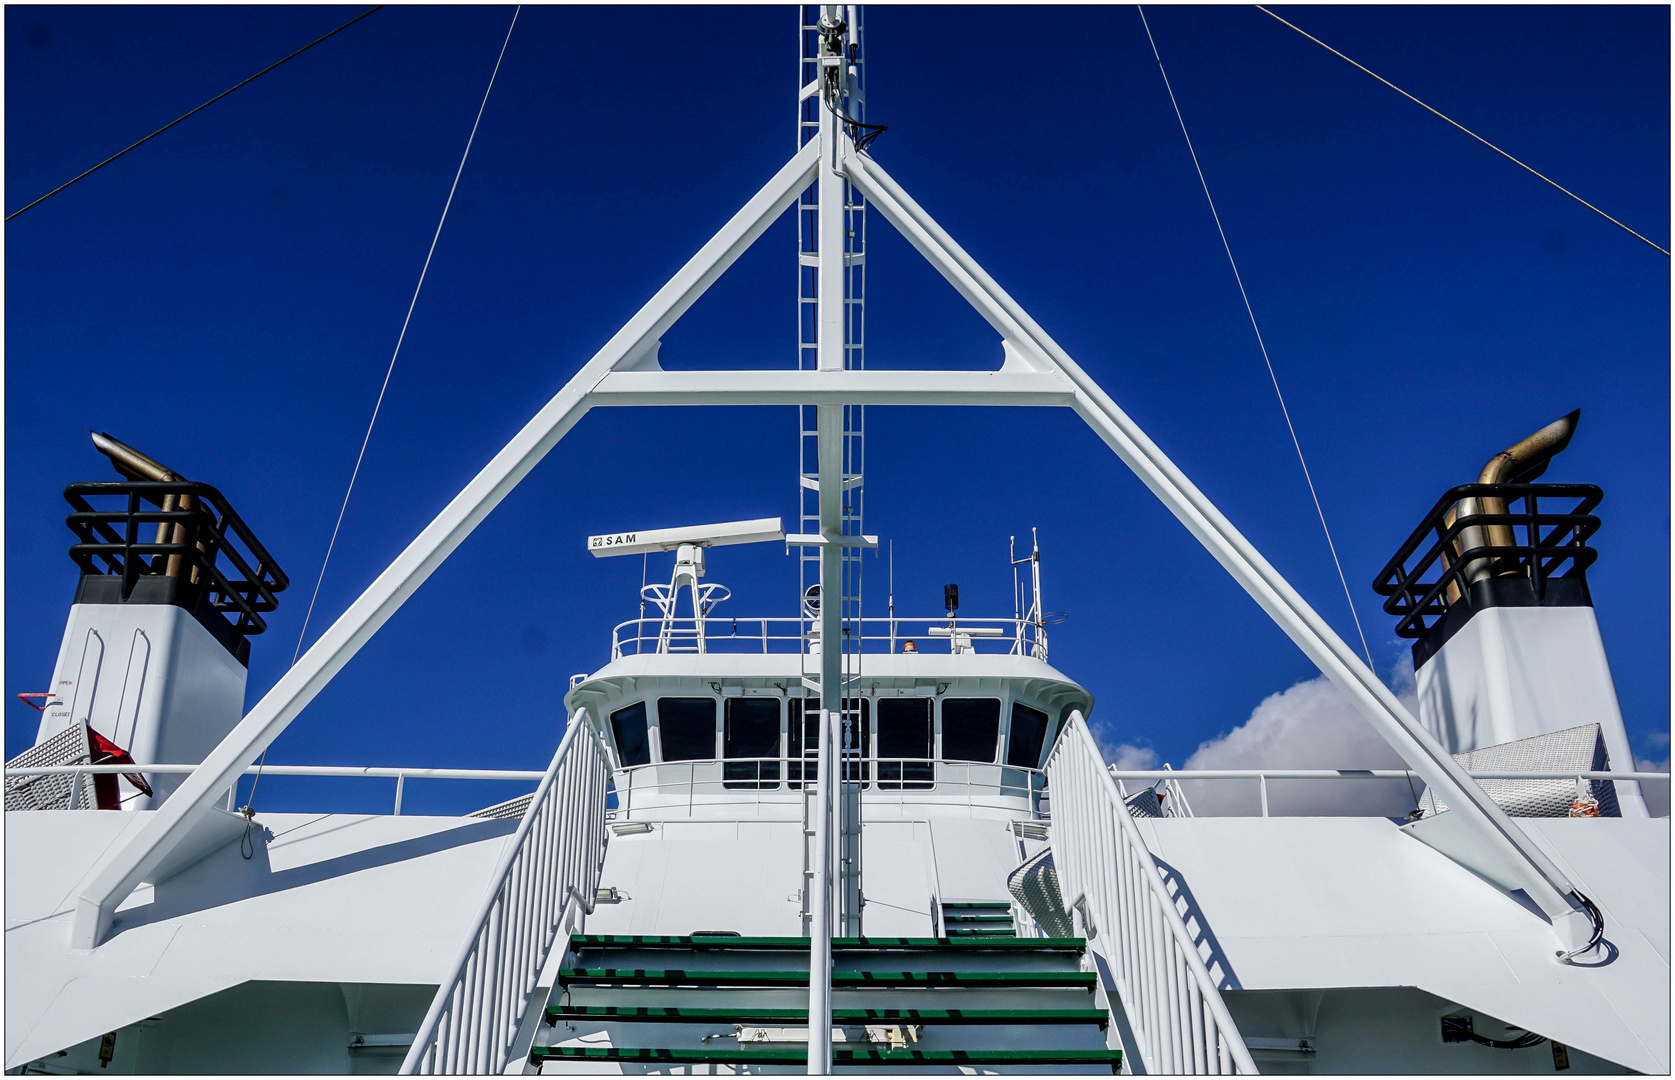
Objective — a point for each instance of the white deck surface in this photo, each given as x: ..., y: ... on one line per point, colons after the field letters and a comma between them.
x: 746, y: 876
x: 330, y: 898
x: 1353, y: 902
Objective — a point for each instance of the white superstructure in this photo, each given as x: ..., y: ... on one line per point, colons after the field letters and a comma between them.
x: 901, y: 827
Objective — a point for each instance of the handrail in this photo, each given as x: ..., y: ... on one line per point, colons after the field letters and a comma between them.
x: 1179, y: 1020
x: 1377, y: 774
x: 204, y: 526
x: 949, y: 779
x: 1262, y: 776
x: 1463, y: 549
x: 383, y: 772
x: 398, y: 774
x: 789, y: 634
x: 556, y: 854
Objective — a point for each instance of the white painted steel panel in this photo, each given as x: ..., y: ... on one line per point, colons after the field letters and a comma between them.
x: 1341, y: 902
x: 1510, y: 673
x: 334, y: 898
x: 149, y: 678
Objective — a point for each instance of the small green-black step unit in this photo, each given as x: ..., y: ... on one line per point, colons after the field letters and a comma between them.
x: 840, y: 1017
x: 841, y: 980
x: 623, y: 997
x: 797, y: 1054
x: 717, y: 943
x: 977, y: 918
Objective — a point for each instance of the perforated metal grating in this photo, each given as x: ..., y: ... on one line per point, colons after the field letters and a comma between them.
x: 1035, y: 885
x: 68, y: 747
x: 511, y: 808
x: 1581, y: 748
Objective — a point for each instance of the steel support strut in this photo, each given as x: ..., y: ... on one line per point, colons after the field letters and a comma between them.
x: 1498, y: 847
x: 632, y: 346
x: 830, y: 342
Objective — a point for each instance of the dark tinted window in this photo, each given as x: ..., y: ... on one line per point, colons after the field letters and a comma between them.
x: 804, y: 748
x: 1029, y: 727
x: 751, y: 730
x: 904, y: 731
x: 687, y: 727
x: 629, y: 727
x: 970, y: 728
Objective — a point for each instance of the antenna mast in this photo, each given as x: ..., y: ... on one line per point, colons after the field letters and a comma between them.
x: 1035, y: 618
x: 810, y: 111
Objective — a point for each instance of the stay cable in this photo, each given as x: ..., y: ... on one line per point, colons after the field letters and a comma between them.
x: 1462, y: 127
x: 1260, y: 344
x: 193, y: 112
x: 389, y: 371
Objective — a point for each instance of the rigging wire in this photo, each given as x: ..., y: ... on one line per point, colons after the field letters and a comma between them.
x: 1465, y: 129
x: 199, y: 109
x: 390, y: 370
x: 1262, y: 345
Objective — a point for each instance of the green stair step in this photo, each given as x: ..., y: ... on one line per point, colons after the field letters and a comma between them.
x: 792, y: 1054
x: 983, y: 931
x: 958, y: 918
x: 911, y: 1056
x: 988, y: 905
x: 797, y: 1054
x: 841, y: 980
x: 800, y: 944
x: 840, y: 1017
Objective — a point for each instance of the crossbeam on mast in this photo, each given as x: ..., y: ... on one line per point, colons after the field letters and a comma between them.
x: 756, y: 387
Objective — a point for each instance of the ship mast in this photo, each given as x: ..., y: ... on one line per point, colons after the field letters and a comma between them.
x: 830, y: 269
x: 850, y: 231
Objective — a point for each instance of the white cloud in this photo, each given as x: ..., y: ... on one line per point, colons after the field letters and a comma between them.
x: 1310, y: 726
x: 1129, y: 756
x: 1655, y: 792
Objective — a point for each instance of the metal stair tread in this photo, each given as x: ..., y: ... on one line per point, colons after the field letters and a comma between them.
x: 841, y: 980
x: 583, y: 942
x: 797, y: 1054
x: 840, y: 1017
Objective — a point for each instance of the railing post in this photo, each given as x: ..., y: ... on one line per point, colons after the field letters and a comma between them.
x: 400, y: 782
x: 1262, y: 786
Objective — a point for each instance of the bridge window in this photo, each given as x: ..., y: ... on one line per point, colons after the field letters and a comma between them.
x: 905, y: 730
x: 804, y: 746
x: 751, y: 730
x: 1029, y: 728
x: 629, y: 727
x: 686, y: 727
x: 970, y: 728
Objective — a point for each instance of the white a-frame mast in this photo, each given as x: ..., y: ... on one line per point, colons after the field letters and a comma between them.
x: 1036, y: 371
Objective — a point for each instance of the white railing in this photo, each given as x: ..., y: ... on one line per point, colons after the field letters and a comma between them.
x: 772, y: 787
x: 1179, y: 1021
x: 1174, y: 778
x: 400, y: 774
x: 550, y: 869
x: 1018, y: 637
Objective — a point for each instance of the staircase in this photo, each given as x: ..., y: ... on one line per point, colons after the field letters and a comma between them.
x: 982, y: 918
x: 1006, y: 1003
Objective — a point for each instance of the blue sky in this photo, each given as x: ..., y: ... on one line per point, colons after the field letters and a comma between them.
x: 226, y: 299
